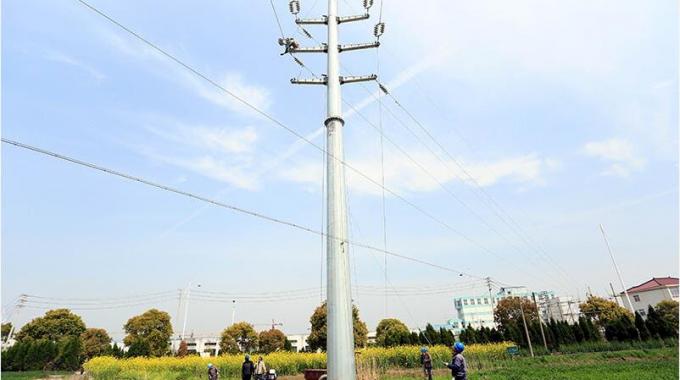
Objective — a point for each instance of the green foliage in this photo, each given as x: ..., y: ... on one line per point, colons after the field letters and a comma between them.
x: 54, y: 325
x: 271, y: 341
x: 392, y: 332
x: 70, y: 353
x: 96, y: 342
x: 603, y: 311
x: 6, y: 328
x: 239, y: 337
x: 641, y: 327
x: 668, y: 312
x: 317, y: 337
x: 148, y: 334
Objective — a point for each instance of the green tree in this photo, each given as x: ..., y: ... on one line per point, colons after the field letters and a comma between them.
x: 239, y: 337
x: 272, y: 340
x: 317, y: 337
x: 95, y: 342
x: 641, y: 327
x: 392, y: 332
x: 603, y: 311
x: 70, y: 353
x: 148, y: 333
x: 288, y: 346
x: 6, y: 328
x: 668, y: 311
x: 54, y: 325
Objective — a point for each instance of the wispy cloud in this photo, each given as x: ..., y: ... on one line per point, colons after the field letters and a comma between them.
x: 234, y: 82
x: 402, y: 175
x: 619, y: 154
x: 63, y: 58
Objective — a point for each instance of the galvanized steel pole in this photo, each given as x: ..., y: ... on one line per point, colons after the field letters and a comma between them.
x: 340, y: 327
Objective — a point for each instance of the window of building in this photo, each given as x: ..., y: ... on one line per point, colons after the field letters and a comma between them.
x: 674, y: 292
x: 642, y: 312
x: 465, y: 302
x: 636, y: 298
x: 472, y: 301
x: 479, y: 301
x: 486, y: 301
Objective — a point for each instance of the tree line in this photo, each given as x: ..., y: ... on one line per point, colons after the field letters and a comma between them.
x: 59, y: 340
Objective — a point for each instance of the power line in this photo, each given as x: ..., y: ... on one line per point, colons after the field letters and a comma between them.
x: 268, y: 116
x: 422, y: 168
x: 221, y: 204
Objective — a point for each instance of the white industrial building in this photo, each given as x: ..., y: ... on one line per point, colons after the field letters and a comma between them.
x: 562, y: 309
x: 650, y: 293
x: 478, y: 310
x: 204, y: 346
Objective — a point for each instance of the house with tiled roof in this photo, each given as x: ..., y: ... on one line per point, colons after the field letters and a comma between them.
x: 651, y: 293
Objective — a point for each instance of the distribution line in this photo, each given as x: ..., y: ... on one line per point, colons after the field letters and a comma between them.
x: 421, y: 167
x: 223, y: 205
x: 274, y: 120
x: 516, y: 229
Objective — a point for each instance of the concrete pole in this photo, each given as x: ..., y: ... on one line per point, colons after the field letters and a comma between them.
x: 233, y: 312
x: 616, y: 267
x: 526, y: 329
x: 186, y: 311
x: 340, y: 347
x: 614, y: 293
x: 540, y: 321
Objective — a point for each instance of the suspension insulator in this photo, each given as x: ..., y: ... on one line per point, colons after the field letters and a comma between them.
x: 294, y: 7
x: 368, y: 3
x: 379, y: 29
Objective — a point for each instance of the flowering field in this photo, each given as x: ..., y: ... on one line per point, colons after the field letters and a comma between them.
x: 285, y: 363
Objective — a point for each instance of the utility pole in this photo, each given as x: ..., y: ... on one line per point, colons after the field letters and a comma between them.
x: 340, y: 349
x: 616, y: 267
x: 540, y: 322
x: 526, y: 329
x: 233, y: 312
x: 614, y: 293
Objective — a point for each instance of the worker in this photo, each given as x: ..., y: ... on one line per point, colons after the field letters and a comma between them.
x: 457, y: 365
x: 213, y: 373
x: 247, y: 369
x: 260, y: 369
x: 426, y: 362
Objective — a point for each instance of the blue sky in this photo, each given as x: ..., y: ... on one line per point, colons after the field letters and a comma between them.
x: 565, y: 113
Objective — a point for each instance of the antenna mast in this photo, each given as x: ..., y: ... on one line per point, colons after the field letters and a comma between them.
x: 340, y: 345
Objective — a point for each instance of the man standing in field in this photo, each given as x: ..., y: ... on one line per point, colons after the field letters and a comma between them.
x: 247, y: 369
x: 213, y: 373
x: 457, y: 365
x: 426, y: 361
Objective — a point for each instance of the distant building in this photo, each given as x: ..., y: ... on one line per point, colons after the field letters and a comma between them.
x: 562, y: 309
x: 651, y: 293
x: 477, y: 310
x: 204, y: 346
x: 298, y: 342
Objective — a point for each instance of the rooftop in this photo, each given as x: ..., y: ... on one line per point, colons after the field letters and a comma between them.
x: 654, y: 283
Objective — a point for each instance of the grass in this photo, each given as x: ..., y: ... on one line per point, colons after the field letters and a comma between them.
x: 31, y: 375
x: 655, y: 364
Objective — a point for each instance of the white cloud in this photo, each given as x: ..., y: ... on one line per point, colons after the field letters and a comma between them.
x: 221, y: 170
x: 618, y: 153
x: 234, y: 82
x: 218, y: 139
x: 69, y: 60
x: 402, y: 175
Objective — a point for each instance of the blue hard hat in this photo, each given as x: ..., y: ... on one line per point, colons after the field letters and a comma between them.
x: 423, y: 349
x: 209, y: 365
x: 459, y: 347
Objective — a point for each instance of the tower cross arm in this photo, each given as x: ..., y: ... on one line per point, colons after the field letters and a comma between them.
x: 349, y: 47
x: 343, y: 19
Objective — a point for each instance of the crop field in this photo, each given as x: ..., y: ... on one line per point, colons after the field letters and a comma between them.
x: 400, y: 364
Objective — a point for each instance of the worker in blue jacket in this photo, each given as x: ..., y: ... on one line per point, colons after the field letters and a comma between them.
x: 457, y: 366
